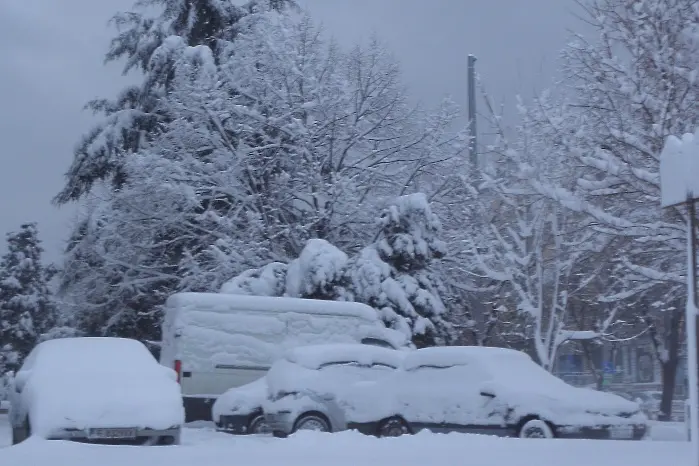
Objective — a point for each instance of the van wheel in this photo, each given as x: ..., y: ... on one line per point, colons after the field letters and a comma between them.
x: 312, y: 422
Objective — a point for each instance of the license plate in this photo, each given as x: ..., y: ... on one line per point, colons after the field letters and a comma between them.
x: 621, y: 432
x: 113, y: 433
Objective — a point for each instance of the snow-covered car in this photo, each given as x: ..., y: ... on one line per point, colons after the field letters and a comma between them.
x: 239, y: 410
x: 302, y: 385
x: 489, y: 391
x: 97, y: 390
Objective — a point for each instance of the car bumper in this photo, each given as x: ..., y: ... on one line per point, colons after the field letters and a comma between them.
x: 281, y: 422
x: 612, y: 432
x: 235, y: 424
x: 169, y: 436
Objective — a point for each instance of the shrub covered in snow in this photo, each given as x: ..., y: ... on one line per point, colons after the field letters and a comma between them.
x: 269, y: 280
x: 317, y: 272
x: 26, y: 306
x: 393, y: 275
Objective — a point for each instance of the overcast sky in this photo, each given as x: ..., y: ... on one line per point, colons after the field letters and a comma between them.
x: 52, y: 63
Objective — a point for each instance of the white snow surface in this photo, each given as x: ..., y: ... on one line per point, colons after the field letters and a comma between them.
x: 444, y: 385
x: 98, y: 382
x: 241, y: 400
x: 203, y: 447
x: 679, y: 165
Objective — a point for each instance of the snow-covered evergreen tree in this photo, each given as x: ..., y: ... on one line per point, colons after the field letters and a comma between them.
x: 26, y: 306
x: 394, y: 274
x: 137, y: 113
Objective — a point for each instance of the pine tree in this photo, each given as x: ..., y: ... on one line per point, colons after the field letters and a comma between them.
x: 138, y: 112
x: 26, y: 307
x: 395, y: 276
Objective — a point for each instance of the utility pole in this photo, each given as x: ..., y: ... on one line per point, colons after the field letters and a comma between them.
x: 472, y: 133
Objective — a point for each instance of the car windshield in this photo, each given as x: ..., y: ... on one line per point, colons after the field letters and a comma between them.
x: 521, y: 371
x: 340, y: 364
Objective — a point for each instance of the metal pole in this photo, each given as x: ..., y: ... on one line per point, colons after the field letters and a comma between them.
x: 472, y: 130
x: 691, y: 318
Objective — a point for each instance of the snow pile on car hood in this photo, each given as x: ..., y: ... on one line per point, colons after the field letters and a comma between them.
x: 245, y: 399
x: 326, y: 369
x: 85, y: 383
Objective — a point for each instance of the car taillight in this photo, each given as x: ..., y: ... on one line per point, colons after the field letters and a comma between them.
x: 178, y: 369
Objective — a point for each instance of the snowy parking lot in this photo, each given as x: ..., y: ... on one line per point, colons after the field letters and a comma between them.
x: 203, y: 446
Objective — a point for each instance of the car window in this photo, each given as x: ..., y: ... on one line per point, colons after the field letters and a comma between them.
x: 377, y: 342
x: 467, y: 373
x: 356, y: 365
x: 338, y: 364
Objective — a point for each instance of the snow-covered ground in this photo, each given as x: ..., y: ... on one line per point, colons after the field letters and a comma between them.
x: 202, y: 445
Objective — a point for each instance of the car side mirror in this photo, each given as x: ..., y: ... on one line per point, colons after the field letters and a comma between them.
x: 487, y: 394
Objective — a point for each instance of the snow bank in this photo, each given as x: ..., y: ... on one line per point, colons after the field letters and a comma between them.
x: 315, y: 356
x: 98, y: 382
x: 241, y: 400
x: 351, y: 449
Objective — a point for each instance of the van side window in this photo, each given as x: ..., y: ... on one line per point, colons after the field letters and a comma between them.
x: 377, y: 342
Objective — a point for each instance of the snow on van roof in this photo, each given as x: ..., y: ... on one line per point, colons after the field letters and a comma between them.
x: 315, y: 356
x: 448, y: 356
x: 215, y: 302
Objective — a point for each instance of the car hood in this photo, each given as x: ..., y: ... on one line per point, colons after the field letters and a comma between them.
x: 563, y: 402
x: 143, y: 401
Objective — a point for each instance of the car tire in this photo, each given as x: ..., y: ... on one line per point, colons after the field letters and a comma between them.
x: 22, y: 433
x: 312, y: 421
x: 535, y: 428
x: 257, y: 425
x: 393, y: 427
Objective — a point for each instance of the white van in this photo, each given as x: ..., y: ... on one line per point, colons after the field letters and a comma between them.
x: 219, y: 341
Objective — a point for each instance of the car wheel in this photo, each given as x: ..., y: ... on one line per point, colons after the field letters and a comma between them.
x: 393, y: 427
x: 535, y: 428
x: 22, y: 433
x: 257, y: 425
x: 312, y: 422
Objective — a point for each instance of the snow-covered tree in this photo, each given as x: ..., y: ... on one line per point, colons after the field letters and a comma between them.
x: 272, y: 140
x: 26, y: 306
x: 625, y: 93
x: 137, y: 113
x: 395, y: 274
